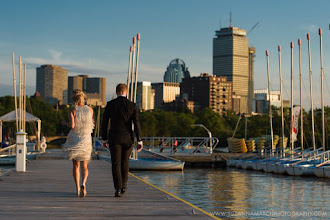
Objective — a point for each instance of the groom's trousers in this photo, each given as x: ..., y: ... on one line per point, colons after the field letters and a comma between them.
x: 120, y: 154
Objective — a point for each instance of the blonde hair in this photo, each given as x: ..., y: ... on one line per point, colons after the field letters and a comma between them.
x: 76, y: 96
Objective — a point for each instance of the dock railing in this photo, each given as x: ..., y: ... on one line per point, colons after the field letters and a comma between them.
x: 10, y: 150
x: 190, y: 145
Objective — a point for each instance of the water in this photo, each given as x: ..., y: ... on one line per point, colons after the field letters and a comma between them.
x: 245, y: 194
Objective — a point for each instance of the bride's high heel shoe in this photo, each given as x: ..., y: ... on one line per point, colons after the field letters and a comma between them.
x: 83, y: 191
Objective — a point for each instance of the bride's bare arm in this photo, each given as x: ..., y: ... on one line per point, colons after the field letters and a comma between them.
x: 92, y: 113
x: 70, y: 124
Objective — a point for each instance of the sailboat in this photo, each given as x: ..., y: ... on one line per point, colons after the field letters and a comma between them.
x: 307, y: 166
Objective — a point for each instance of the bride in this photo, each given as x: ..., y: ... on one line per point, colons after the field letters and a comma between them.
x: 78, y: 145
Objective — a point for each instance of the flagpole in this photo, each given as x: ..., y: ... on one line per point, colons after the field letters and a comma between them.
x: 14, y: 82
x: 270, y: 104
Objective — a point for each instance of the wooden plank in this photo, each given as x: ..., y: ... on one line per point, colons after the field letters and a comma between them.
x: 47, y: 190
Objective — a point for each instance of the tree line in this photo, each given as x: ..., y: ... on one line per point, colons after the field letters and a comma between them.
x: 160, y: 123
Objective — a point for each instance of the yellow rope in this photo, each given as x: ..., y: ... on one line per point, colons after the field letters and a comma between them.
x: 188, y: 203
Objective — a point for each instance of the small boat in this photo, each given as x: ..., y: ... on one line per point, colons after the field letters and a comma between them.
x: 11, y: 159
x: 153, y: 161
x: 306, y: 166
x: 322, y: 171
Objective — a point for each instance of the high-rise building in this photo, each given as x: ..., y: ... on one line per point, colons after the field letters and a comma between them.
x: 231, y: 59
x: 145, y: 96
x: 96, y: 85
x: 208, y: 91
x: 94, y: 88
x: 165, y: 92
x: 261, y: 99
x: 75, y: 82
x: 52, y: 84
x: 176, y: 71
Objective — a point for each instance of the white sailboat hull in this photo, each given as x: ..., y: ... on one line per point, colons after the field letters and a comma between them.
x: 145, y: 164
x: 247, y: 165
x: 323, y: 172
x: 257, y: 165
x: 239, y: 164
x: 266, y: 167
x: 231, y: 163
x: 300, y: 170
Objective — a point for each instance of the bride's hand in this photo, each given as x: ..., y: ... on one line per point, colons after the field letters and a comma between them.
x: 139, y: 147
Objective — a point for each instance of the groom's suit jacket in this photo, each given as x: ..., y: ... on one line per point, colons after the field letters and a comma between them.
x: 120, y: 113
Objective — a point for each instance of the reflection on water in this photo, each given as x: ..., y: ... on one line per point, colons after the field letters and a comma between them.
x: 4, y: 169
x: 240, y: 191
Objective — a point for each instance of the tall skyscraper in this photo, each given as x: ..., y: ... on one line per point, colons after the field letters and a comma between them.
x: 145, y: 97
x: 176, y: 71
x: 52, y: 84
x: 94, y: 88
x: 96, y: 85
x: 231, y: 59
x: 208, y: 91
x: 75, y: 82
x: 165, y: 92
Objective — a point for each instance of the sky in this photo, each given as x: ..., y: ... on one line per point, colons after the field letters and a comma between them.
x: 93, y: 37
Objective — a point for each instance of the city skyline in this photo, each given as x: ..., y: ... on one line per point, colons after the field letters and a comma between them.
x: 94, y: 37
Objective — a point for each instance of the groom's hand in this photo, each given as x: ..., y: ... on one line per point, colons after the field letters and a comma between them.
x: 105, y: 144
x: 139, y: 146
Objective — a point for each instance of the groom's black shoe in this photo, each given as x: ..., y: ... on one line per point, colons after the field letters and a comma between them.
x: 118, y: 193
x: 123, y: 190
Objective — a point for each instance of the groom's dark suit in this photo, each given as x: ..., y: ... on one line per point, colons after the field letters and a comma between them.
x: 121, y: 112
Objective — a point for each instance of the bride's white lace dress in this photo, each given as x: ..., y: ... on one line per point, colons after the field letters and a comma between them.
x: 78, y: 145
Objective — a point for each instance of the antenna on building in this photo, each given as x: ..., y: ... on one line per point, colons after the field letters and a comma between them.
x: 230, y: 20
x: 220, y: 24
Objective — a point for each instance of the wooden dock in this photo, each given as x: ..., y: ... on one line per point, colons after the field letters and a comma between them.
x: 46, y: 191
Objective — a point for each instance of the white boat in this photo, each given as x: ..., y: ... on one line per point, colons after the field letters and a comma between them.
x: 150, y: 163
x: 322, y: 171
x: 306, y: 167
x: 300, y: 169
x: 11, y: 159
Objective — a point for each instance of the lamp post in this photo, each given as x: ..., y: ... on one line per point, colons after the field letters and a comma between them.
x: 208, y: 131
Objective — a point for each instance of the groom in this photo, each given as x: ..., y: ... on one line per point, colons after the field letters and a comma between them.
x: 121, y: 112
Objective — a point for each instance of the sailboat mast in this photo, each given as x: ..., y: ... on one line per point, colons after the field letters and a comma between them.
x: 24, y: 98
x: 322, y: 91
x: 311, y: 86
x: 137, y: 65
x: 292, y: 142
x: 281, y: 94
x: 20, y: 93
x: 301, y: 102
x: 270, y: 104
x: 132, y: 71
x: 129, y: 72
x: 14, y: 82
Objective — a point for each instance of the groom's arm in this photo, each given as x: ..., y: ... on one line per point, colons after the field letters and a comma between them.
x: 136, y: 122
x: 105, y: 121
